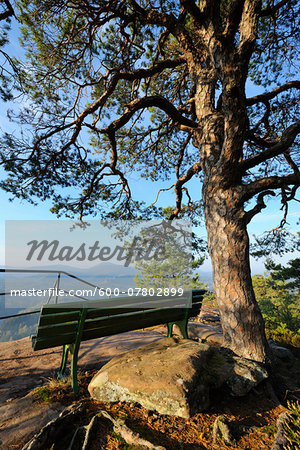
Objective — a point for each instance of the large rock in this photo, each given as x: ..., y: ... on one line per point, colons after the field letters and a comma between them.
x: 244, y: 375
x: 210, y: 334
x: 173, y: 376
x: 165, y: 376
x: 282, y: 354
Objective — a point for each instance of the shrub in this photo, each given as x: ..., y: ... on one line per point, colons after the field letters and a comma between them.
x: 292, y: 427
x: 280, y: 309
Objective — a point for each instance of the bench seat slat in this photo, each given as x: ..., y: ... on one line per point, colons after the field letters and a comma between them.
x: 58, y: 318
x: 93, y: 313
x: 133, y: 302
x: 57, y: 329
x: 141, y: 318
x: 196, y: 308
x: 119, y: 327
x: 53, y: 341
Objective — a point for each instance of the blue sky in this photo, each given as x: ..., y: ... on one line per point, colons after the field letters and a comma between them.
x: 268, y: 219
x: 17, y: 210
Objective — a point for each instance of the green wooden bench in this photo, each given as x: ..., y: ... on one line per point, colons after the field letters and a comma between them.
x: 69, y: 324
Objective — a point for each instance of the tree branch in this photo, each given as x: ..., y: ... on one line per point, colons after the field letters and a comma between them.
x: 174, y: 26
x: 155, y: 69
x: 194, y: 10
x: 288, y: 137
x: 181, y: 155
x: 270, y: 11
x: 195, y: 168
x: 269, y: 95
x: 147, y: 102
x: 8, y: 13
x: 129, y: 76
x: 248, y: 29
x: 99, y: 175
x: 274, y: 182
x: 153, y: 16
x: 233, y: 18
x: 290, y: 161
x: 259, y: 206
x: 264, y: 120
x: 257, y: 140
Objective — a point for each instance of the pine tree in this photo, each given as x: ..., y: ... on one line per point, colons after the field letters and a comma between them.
x: 159, y: 89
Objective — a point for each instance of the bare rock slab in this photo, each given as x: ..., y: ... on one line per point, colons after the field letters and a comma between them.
x: 206, y: 333
x: 23, y: 417
x: 164, y: 376
x: 172, y: 376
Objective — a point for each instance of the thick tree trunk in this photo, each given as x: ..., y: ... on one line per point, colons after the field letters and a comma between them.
x: 220, y: 140
x: 228, y: 241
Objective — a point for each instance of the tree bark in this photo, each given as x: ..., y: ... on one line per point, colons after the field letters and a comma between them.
x: 220, y: 139
x: 228, y: 243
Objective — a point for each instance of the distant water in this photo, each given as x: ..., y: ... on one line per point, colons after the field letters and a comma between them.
x: 19, y: 327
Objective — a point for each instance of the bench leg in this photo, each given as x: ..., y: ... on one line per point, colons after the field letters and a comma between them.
x: 183, y: 328
x: 74, y: 355
x: 182, y: 324
x: 170, y: 328
x: 61, y: 372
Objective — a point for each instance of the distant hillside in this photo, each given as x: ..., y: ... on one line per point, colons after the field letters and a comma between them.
x: 106, y: 275
x: 207, y: 277
x: 99, y: 270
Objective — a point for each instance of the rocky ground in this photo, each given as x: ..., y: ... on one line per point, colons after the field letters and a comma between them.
x: 25, y: 410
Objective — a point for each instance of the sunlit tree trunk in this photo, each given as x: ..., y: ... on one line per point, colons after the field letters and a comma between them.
x: 242, y: 322
x: 220, y: 142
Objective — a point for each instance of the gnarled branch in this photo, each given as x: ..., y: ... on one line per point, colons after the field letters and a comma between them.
x: 270, y: 11
x: 248, y: 29
x: 8, y: 12
x: 288, y: 137
x: 194, y: 10
x: 258, y: 207
x: 269, y: 95
x: 274, y: 182
x: 147, y: 102
x: 195, y: 168
x: 235, y: 9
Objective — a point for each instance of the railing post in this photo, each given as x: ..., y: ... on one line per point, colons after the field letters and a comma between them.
x: 57, y: 287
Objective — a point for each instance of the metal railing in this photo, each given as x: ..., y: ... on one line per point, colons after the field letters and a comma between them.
x: 52, y: 291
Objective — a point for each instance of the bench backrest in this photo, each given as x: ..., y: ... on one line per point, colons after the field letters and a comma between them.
x: 60, y: 324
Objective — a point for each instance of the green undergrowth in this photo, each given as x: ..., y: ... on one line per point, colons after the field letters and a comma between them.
x: 270, y: 430
x: 120, y: 440
x: 56, y: 390
x: 279, y: 302
x: 292, y: 427
x: 283, y: 336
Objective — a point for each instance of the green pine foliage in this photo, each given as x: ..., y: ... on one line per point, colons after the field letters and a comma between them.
x: 290, y: 274
x: 175, y: 271
x: 279, y: 300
